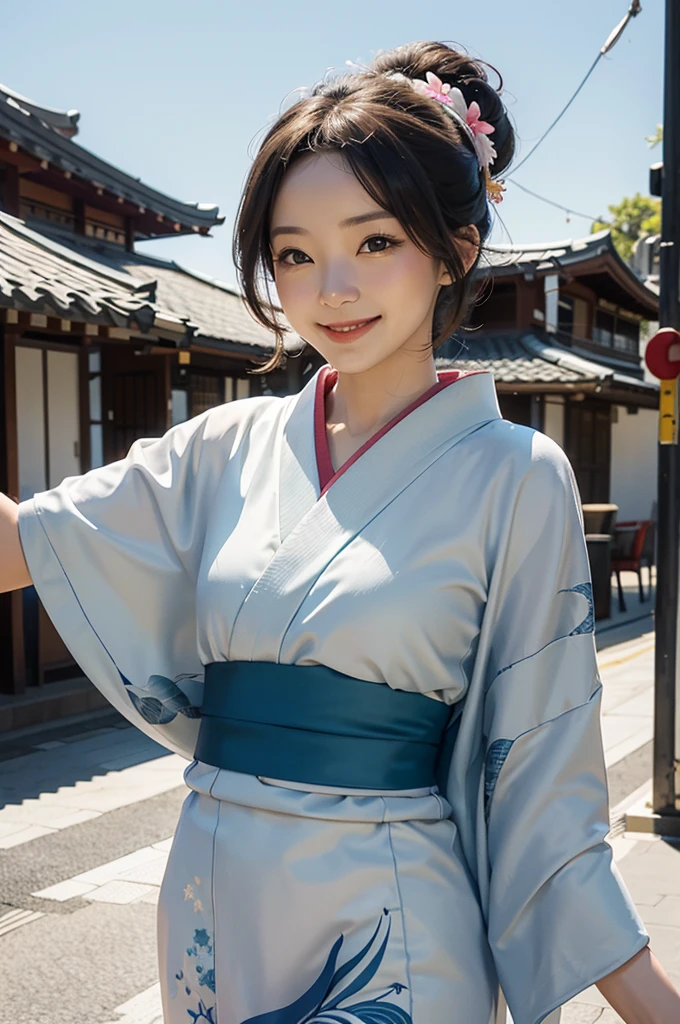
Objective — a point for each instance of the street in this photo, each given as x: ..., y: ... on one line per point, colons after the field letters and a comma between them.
x: 90, y: 810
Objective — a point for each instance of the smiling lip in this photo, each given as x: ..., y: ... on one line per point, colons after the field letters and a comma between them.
x: 339, y: 335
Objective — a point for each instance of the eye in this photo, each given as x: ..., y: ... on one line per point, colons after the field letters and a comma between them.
x: 384, y: 242
x: 282, y: 257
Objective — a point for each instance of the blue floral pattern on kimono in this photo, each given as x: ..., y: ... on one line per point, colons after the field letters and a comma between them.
x: 320, y: 1004
x: 160, y: 700
x: 497, y: 753
x: 588, y: 624
x: 200, y: 963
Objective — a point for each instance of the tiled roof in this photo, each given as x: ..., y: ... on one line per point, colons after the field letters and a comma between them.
x: 571, y: 253
x: 41, y: 133
x: 63, y: 121
x: 40, y: 276
x: 216, y: 309
x: 545, y: 255
x: 96, y: 283
x: 518, y: 358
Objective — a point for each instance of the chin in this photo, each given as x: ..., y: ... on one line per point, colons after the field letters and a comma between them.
x: 356, y: 362
x: 354, y: 359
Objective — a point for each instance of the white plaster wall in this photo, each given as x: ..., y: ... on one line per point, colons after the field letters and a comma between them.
x: 553, y: 418
x: 634, y: 463
x: 30, y: 421
x: 652, y: 328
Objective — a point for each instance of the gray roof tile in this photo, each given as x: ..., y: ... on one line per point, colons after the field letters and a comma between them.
x: 215, y: 309
x: 97, y: 283
x: 63, y: 121
x: 530, y: 358
x: 40, y: 276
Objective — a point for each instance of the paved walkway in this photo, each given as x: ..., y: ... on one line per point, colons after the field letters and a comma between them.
x: 65, y: 782
x: 627, y: 672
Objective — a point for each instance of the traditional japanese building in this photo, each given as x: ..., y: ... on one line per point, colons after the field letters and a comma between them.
x: 99, y: 344
x: 562, y: 327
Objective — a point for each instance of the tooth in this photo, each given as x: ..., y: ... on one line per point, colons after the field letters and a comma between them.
x: 344, y: 330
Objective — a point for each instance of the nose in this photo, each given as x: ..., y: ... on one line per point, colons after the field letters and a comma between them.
x: 338, y: 284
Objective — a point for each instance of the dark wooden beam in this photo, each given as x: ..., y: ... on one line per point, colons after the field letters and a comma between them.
x: 9, y: 189
x: 13, y: 154
x: 130, y: 234
x: 46, y: 418
x: 10, y: 480
x: 79, y: 215
x: 12, y: 658
x: 168, y: 361
x: 294, y: 367
x: 576, y: 289
x: 525, y: 303
x: 84, y: 408
x: 636, y: 293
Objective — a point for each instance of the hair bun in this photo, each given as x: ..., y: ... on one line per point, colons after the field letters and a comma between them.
x: 457, y: 69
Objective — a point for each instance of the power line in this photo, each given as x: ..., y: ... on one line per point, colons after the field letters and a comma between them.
x: 611, y: 41
x: 546, y: 133
x: 558, y: 206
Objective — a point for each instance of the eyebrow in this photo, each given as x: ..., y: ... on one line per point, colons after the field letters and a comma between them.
x: 349, y: 222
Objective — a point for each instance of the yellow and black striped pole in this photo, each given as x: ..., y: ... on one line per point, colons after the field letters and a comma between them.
x: 668, y: 411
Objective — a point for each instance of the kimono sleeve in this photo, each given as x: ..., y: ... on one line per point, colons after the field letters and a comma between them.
x: 559, y: 915
x: 114, y: 556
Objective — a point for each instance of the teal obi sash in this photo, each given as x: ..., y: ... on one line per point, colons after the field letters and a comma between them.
x: 313, y: 725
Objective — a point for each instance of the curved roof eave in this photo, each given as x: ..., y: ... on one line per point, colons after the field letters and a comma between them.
x: 546, y: 257
x: 27, y: 130
x: 63, y: 121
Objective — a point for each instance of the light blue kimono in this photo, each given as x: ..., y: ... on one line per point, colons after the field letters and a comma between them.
x: 449, y: 559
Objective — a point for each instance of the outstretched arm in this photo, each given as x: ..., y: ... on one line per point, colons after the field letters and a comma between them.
x: 14, y: 572
x: 641, y: 992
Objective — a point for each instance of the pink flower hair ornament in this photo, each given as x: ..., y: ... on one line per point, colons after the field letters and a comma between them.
x: 466, y: 117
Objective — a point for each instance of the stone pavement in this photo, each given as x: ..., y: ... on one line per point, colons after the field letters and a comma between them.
x: 66, y: 781
x: 142, y: 1009
x: 627, y: 672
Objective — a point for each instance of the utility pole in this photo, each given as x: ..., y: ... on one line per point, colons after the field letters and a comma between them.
x: 663, y: 359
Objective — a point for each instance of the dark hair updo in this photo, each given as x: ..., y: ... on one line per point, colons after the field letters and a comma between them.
x: 406, y: 152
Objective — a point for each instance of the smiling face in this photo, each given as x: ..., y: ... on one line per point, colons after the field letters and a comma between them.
x: 341, y: 260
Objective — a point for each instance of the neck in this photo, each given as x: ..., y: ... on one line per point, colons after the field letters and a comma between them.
x: 364, y: 402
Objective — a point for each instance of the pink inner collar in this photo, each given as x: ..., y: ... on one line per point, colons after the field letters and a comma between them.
x: 325, y: 383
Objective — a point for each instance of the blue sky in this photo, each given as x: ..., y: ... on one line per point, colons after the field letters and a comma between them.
x: 178, y: 92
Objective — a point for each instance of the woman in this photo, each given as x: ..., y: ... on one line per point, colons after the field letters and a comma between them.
x: 385, y: 586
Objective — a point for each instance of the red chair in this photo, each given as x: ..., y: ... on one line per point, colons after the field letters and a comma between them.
x: 633, y: 548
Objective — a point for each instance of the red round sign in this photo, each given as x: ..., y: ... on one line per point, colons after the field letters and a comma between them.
x: 658, y: 354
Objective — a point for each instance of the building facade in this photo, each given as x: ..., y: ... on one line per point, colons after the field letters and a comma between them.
x: 99, y: 344
x: 562, y: 327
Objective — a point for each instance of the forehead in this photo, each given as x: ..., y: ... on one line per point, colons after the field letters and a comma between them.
x: 319, y: 186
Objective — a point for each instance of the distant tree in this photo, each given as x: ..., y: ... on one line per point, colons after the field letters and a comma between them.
x: 632, y: 218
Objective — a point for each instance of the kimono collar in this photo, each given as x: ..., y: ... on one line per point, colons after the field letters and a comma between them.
x: 324, y: 381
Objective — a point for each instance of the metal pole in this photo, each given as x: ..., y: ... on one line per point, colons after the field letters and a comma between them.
x: 665, y: 797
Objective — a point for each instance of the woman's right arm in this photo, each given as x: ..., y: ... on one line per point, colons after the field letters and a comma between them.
x: 14, y: 572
